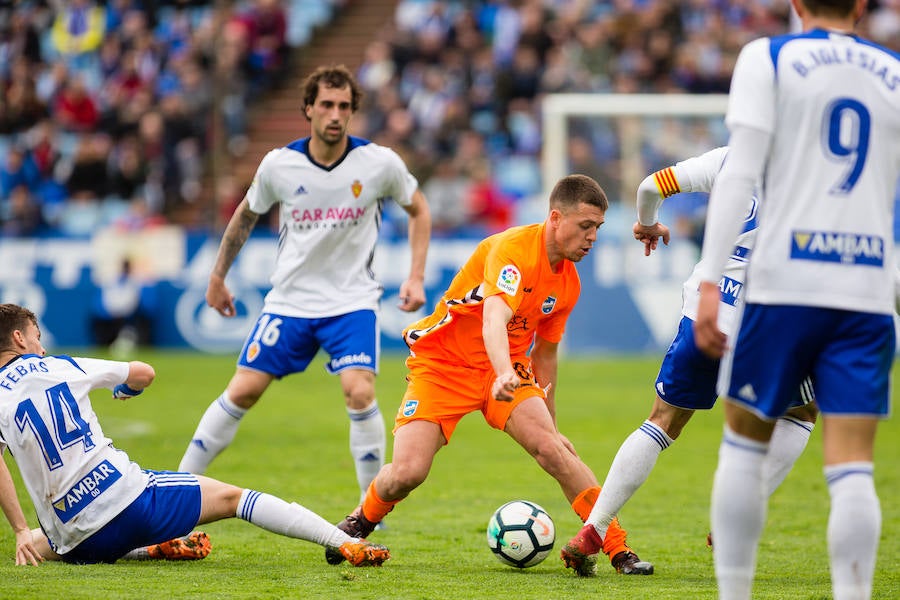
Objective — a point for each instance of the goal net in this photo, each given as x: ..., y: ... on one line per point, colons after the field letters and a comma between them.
x: 629, y: 302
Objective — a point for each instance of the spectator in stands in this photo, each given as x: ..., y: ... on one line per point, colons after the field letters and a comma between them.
x: 21, y: 108
x: 22, y: 214
x: 447, y: 190
x: 18, y: 168
x: 78, y: 30
x: 75, y: 110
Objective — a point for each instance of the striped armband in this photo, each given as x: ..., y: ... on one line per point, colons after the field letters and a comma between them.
x: 666, y: 182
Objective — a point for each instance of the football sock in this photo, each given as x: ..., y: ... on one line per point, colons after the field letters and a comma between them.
x: 367, y: 443
x: 854, y: 526
x: 584, y: 502
x: 630, y: 468
x: 214, y: 433
x: 789, y: 438
x: 738, y: 512
x: 292, y: 520
x: 374, y: 508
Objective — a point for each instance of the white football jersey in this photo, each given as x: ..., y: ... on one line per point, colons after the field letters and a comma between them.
x: 329, y: 223
x: 698, y: 174
x: 832, y: 104
x: 77, y: 480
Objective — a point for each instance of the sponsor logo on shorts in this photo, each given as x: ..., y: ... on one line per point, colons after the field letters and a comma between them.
x: 409, y: 408
x: 547, y: 306
x: 730, y: 290
x: 86, y: 490
x: 349, y: 360
x: 509, y: 279
x: 846, y: 248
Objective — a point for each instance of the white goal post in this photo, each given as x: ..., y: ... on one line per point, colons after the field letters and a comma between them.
x: 557, y: 108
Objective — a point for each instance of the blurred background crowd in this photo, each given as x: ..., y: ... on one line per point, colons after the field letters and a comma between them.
x: 115, y: 113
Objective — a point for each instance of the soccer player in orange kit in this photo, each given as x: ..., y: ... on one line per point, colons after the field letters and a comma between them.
x: 514, y: 294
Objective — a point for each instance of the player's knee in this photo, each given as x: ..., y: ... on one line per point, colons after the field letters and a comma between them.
x: 550, y: 453
x: 405, y: 477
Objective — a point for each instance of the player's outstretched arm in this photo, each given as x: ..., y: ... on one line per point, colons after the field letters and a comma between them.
x: 26, y: 553
x: 140, y: 375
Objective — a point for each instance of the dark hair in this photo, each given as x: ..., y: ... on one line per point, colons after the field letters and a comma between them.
x: 334, y: 77
x: 13, y: 318
x: 830, y: 8
x: 574, y: 189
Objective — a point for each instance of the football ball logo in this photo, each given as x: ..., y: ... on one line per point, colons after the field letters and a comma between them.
x: 521, y: 534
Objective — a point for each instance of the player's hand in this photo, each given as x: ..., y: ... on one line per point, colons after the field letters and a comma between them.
x: 709, y: 339
x: 650, y: 235
x: 219, y: 297
x: 504, y: 386
x: 412, y: 295
x: 124, y: 392
x: 26, y: 553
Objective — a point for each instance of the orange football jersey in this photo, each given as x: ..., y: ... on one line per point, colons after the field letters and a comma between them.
x: 514, y: 265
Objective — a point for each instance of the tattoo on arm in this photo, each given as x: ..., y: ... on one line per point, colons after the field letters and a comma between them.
x: 236, y: 235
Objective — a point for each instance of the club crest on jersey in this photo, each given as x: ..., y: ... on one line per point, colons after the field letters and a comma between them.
x: 252, y: 351
x: 85, y: 491
x: 356, y: 188
x: 409, y: 408
x: 548, y: 305
x: 509, y: 279
x: 838, y: 247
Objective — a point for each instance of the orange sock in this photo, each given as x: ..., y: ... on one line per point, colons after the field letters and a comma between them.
x: 584, y: 502
x: 614, y: 541
x: 374, y: 508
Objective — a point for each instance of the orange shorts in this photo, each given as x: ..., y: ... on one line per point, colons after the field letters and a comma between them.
x: 444, y: 393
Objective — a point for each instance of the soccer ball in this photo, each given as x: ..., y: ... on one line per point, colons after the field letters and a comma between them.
x: 521, y: 534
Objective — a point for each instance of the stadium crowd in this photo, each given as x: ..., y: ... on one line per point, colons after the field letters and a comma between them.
x: 105, y: 112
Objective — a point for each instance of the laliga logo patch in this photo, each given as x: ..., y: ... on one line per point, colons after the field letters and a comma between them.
x: 509, y: 279
x: 548, y: 305
x: 409, y: 409
x: 356, y: 188
x: 252, y: 351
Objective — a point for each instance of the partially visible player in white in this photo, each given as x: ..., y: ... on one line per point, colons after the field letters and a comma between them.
x: 93, y: 503
x: 816, y: 115
x: 330, y: 189
x: 687, y: 377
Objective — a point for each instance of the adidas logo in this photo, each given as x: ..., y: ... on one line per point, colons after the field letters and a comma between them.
x: 300, y: 190
x: 199, y: 443
x: 369, y: 457
x: 747, y: 393
x: 659, y: 388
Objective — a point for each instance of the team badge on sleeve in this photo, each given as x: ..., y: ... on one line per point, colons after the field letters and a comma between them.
x: 509, y: 279
x: 409, y: 409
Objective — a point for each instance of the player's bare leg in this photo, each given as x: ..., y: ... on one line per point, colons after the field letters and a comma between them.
x: 532, y: 427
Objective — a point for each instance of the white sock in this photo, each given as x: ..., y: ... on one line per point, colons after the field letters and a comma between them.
x: 214, y: 433
x: 789, y: 438
x: 738, y: 513
x: 292, y: 520
x: 367, y: 443
x: 629, y: 470
x: 854, y: 526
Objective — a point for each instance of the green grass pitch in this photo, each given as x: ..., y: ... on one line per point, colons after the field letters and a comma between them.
x: 294, y: 445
